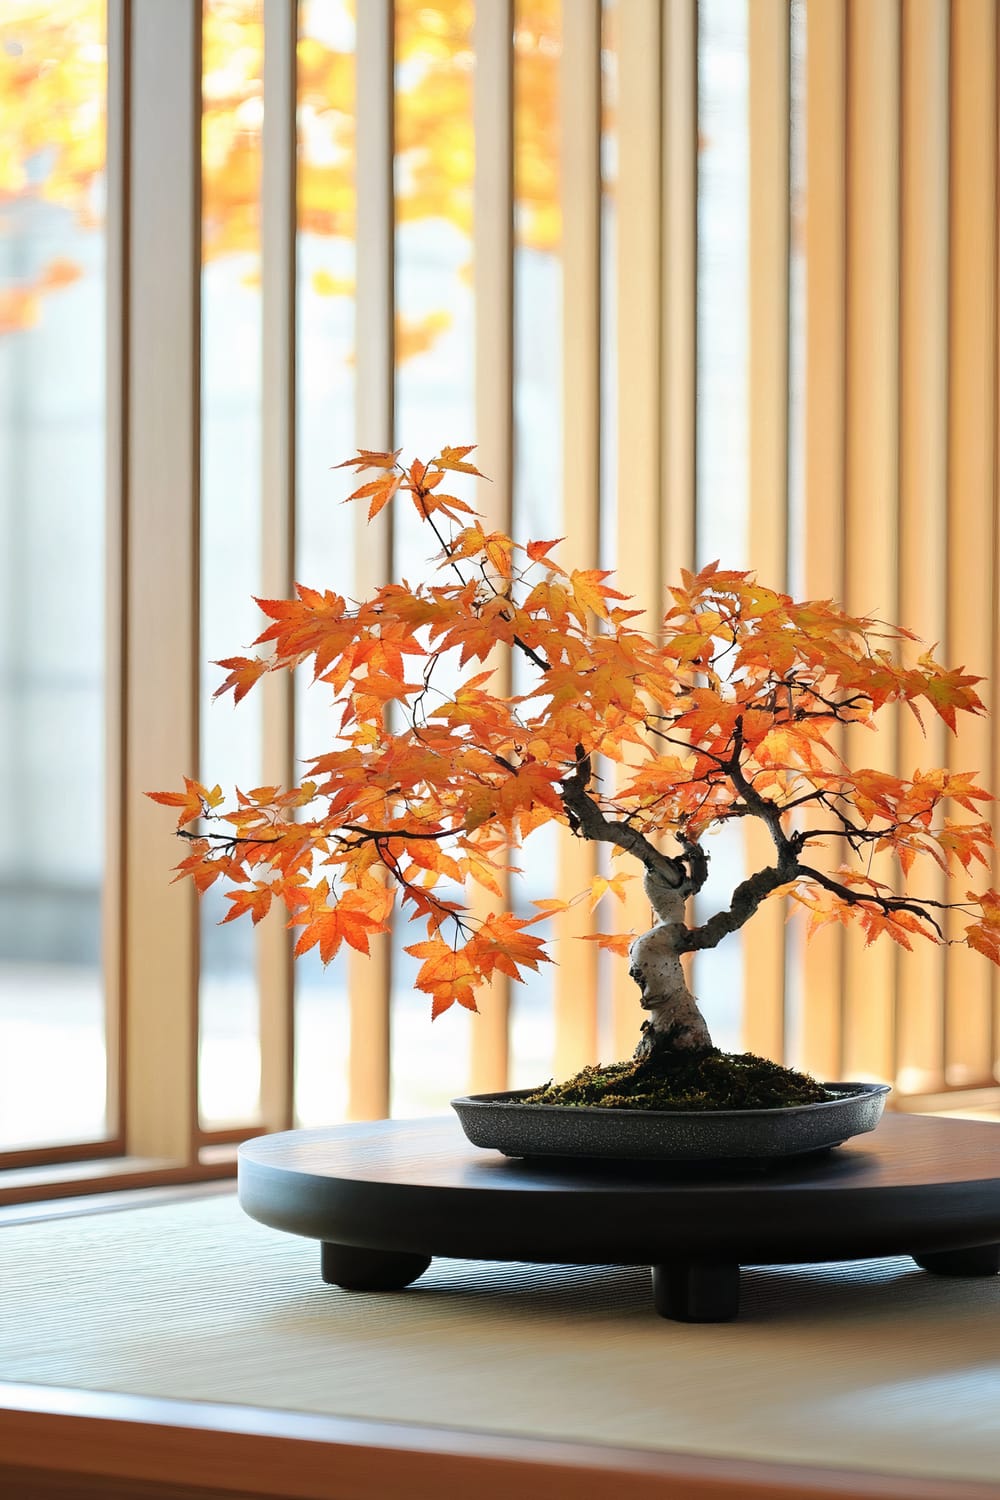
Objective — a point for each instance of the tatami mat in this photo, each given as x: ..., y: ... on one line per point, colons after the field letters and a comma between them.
x: 873, y: 1365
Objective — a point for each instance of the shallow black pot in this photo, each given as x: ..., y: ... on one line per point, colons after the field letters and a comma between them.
x: 503, y: 1122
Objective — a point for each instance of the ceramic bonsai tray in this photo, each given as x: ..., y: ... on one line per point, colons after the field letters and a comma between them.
x: 503, y: 1122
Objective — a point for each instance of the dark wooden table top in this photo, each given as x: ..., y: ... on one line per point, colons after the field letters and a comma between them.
x: 915, y: 1183
x: 904, y: 1151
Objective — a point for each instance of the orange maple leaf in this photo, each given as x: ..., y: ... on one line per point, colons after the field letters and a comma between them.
x: 381, y: 492
x: 539, y: 552
x: 192, y: 802
x: 349, y: 920
x: 502, y: 946
x: 454, y: 458
x: 244, y: 672
x: 614, y: 942
x: 446, y: 974
x: 256, y: 901
x: 368, y: 458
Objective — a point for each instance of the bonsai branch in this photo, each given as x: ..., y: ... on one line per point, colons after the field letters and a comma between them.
x: 376, y: 835
x: 420, y: 894
x: 587, y: 820
x: 762, y: 807
x: 530, y: 653
x: 720, y: 760
x: 230, y: 840
x: 746, y: 898
x: 362, y: 834
x: 916, y: 906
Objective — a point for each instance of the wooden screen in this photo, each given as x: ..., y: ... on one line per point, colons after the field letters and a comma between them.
x: 869, y: 372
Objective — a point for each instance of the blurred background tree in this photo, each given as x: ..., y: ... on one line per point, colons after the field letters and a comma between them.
x: 52, y: 104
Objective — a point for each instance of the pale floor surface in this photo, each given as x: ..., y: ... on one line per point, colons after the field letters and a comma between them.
x: 874, y: 1365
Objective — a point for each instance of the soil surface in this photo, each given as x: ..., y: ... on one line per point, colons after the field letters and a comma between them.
x: 690, y: 1081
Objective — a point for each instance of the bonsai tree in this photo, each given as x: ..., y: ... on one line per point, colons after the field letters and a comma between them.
x: 730, y: 711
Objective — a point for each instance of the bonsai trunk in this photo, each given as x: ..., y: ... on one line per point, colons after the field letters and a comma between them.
x: 675, y: 1023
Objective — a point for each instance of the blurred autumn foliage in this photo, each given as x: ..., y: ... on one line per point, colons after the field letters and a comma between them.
x: 52, y: 127
x: 52, y: 88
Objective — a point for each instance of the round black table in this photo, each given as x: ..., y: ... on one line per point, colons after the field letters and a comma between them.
x: 384, y: 1198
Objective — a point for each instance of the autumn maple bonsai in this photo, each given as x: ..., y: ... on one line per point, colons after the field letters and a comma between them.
x: 731, y: 710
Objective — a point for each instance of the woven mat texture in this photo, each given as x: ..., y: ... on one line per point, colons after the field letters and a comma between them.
x: 873, y: 1365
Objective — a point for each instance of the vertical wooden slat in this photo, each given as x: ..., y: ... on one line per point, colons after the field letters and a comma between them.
x: 575, y: 985
x: 679, y: 279
x: 116, y: 416
x: 923, y: 474
x: 493, y: 253
x: 770, y: 109
x: 278, y: 223
x: 826, y: 118
x: 995, y: 783
x: 370, y: 979
x: 161, y: 938
x: 971, y: 437
x: 679, y: 300
x: 639, y: 283
x: 872, y: 481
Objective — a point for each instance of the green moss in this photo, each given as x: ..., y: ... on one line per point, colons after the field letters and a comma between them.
x: 690, y: 1081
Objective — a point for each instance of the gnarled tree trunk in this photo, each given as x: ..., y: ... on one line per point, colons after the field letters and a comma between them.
x: 675, y: 1023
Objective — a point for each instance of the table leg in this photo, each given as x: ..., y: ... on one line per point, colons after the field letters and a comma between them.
x: 359, y: 1270
x: 980, y: 1260
x: 691, y: 1293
